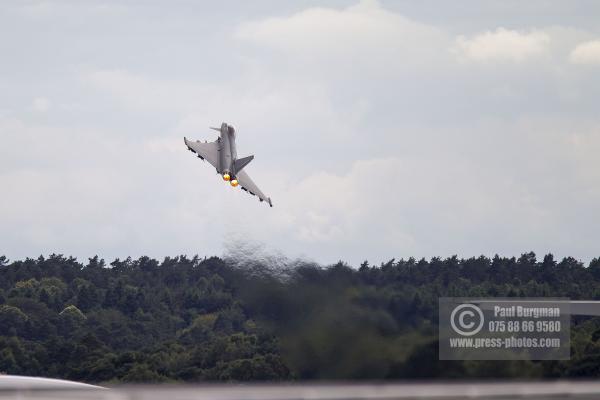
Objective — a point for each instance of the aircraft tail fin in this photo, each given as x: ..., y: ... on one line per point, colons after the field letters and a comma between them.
x: 240, y: 163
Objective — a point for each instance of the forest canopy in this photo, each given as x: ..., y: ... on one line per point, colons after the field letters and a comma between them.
x: 190, y: 319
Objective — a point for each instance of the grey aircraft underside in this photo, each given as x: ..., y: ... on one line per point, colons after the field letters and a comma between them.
x: 222, y: 155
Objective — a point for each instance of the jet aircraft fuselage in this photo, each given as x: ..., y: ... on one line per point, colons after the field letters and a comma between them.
x: 222, y: 154
x: 227, y: 149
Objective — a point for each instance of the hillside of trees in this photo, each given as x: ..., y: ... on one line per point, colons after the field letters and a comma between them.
x: 191, y: 319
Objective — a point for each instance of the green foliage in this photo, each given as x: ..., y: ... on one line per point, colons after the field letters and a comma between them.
x: 72, y: 312
x: 197, y: 319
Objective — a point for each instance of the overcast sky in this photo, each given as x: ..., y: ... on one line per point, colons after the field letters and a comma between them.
x: 380, y: 129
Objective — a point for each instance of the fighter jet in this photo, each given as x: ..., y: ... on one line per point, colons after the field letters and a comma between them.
x: 222, y: 155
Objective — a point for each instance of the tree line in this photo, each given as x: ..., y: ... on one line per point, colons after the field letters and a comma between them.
x: 197, y: 319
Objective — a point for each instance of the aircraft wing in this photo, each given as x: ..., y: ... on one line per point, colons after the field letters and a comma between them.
x: 249, y: 186
x: 204, y: 150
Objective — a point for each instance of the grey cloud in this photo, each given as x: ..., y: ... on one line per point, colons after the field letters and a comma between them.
x: 372, y: 137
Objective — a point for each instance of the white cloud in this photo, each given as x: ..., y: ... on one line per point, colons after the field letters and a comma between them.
x: 506, y: 194
x: 147, y: 93
x: 502, y: 45
x: 586, y: 53
x: 41, y: 104
x: 262, y: 110
x: 359, y: 35
x: 369, y: 139
x: 50, y: 9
